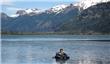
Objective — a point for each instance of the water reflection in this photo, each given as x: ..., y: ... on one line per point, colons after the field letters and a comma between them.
x: 41, y: 52
x: 83, y: 61
x: 89, y: 62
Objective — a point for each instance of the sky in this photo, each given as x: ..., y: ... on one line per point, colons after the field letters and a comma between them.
x: 11, y: 6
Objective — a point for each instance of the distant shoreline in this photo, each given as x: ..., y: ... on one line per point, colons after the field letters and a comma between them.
x: 52, y: 33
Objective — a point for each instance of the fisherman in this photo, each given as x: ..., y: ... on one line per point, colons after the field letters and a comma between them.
x: 61, y: 55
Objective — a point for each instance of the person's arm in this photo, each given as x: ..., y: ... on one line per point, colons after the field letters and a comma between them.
x: 66, y: 56
x: 57, y: 55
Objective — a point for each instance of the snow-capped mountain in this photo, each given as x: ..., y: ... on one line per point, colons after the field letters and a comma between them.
x: 58, y: 8
x: 36, y: 11
x: 82, y: 4
x: 87, y: 3
x: 70, y: 19
x: 27, y: 11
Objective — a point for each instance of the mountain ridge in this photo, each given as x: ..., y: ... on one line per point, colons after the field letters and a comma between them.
x: 82, y: 4
x: 94, y: 20
x: 70, y: 21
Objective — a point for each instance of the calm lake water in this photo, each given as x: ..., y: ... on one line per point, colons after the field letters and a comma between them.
x: 39, y: 49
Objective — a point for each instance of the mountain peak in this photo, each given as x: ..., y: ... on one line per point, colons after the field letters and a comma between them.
x: 32, y: 10
x: 87, y: 3
x: 3, y: 15
x: 27, y: 11
x: 58, y: 8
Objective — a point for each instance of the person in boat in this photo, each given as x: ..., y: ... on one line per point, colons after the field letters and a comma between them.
x: 61, y: 55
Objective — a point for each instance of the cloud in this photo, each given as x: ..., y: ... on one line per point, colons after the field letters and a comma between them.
x: 10, y: 10
x: 5, y: 2
x: 13, y: 8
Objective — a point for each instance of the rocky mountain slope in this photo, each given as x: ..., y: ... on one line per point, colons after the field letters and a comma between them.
x: 95, y: 19
x: 71, y: 19
x: 47, y: 21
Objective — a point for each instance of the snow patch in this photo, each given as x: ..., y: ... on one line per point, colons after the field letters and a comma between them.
x: 59, y: 8
x: 87, y: 3
x: 15, y: 15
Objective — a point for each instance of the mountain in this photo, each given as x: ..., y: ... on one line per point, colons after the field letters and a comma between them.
x: 87, y: 3
x: 82, y: 4
x: 57, y: 9
x: 48, y: 21
x: 27, y: 12
x: 5, y: 21
x: 71, y: 19
x: 93, y: 20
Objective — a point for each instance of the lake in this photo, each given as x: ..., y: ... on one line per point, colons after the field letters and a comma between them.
x: 39, y: 49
